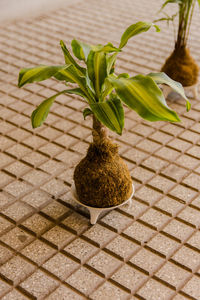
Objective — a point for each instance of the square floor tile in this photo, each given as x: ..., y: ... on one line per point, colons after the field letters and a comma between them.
x: 81, y: 250
x: 38, y: 252
x: 129, y: 277
x: 147, y: 260
x: 84, y: 280
x: 39, y: 285
x: 104, y: 263
x: 16, y: 269
x: 61, y: 266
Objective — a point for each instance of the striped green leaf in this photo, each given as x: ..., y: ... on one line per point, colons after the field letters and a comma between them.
x: 110, y: 113
x: 106, y: 89
x: 172, y: 1
x: 97, y: 70
x: 81, y: 50
x: 111, y: 63
x: 143, y: 95
x: 76, y: 91
x: 69, y: 59
x: 135, y: 29
x: 86, y: 112
x: 108, y: 48
x: 70, y: 72
x: 162, y: 78
x: 39, y: 73
x: 40, y: 114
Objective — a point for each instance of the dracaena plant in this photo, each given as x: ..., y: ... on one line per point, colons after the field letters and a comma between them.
x: 103, y: 90
x: 180, y: 65
x: 185, y: 14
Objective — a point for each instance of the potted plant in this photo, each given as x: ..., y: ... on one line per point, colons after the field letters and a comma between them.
x: 180, y: 66
x: 102, y: 179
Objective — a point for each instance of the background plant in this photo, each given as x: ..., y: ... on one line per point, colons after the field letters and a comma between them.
x: 185, y: 14
x: 103, y: 90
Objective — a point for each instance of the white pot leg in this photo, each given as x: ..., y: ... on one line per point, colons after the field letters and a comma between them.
x: 166, y: 90
x: 94, y: 214
x: 130, y: 202
x: 195, y: 91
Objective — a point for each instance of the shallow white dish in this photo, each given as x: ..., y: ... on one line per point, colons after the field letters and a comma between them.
x: 193, y: 88
x: 96, y: 211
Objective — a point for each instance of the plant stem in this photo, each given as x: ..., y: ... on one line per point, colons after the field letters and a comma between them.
x: 99, y: 132
x: 186, y: 9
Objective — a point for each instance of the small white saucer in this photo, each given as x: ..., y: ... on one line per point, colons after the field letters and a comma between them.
x: 193, y: 88
x: 96, y: 211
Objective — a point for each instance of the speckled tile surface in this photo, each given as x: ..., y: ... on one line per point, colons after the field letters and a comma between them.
x: 48, y: 249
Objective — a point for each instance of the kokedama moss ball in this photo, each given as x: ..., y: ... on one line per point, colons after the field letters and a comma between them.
x: 181, y: 67
x: 102, y: 178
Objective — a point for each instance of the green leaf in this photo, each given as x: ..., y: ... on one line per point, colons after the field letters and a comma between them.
x: 69, y: 59
x: 76, y: 91
x: 87, y: 111
x: 162, y: 78
x: 97, y: 70
x: 108, y: 48
x: 135, y: 29
x: 106, y: 89
x: 40, y: 114
x: 39, y: 73
x: 111, y: 63
x: 70, y: 72
x: 171, y: 1
x: 110, y: 113
x: 198, y: 2
x: 124, y: 75
x: 142, y: 94
x: 81, y: 50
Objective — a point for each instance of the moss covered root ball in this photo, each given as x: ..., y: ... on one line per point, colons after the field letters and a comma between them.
x: 181, y: 67
x: 102, y: 178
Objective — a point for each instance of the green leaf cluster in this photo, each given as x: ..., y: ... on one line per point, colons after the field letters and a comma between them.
x: 185, y: 14
x: 104, y: 91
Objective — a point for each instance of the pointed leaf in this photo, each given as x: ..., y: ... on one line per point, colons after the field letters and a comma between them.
x: 40, y: 114
x: 110, y: 113
x: 142, y: 94
x: 97, y: 70
x: 162, y: 78
x: 106, y: 89
x: 111, y: 63
x: 69, y: 59
x: 108, y: 48
x: 76, y: 91
x: 70, y: 72
x: 39, y: 73
x: 171, y: 1
x: 87, y: 111
x: 124, y: 75
x: 81, y: 50
x: 135, y: 29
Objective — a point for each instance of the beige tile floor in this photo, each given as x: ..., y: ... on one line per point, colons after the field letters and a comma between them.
x: 48, y: 248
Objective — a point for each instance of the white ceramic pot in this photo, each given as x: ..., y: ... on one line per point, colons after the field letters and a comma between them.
x: 96, y: 211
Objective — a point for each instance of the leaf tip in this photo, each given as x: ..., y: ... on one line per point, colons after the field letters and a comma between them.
x: 188, y: 105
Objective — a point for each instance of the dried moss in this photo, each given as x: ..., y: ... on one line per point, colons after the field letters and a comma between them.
x: 181, y: 67
x: 102, y: 178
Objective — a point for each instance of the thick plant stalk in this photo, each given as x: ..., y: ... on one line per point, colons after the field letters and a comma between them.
x: 99, y: 132
x: 186, y: 9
